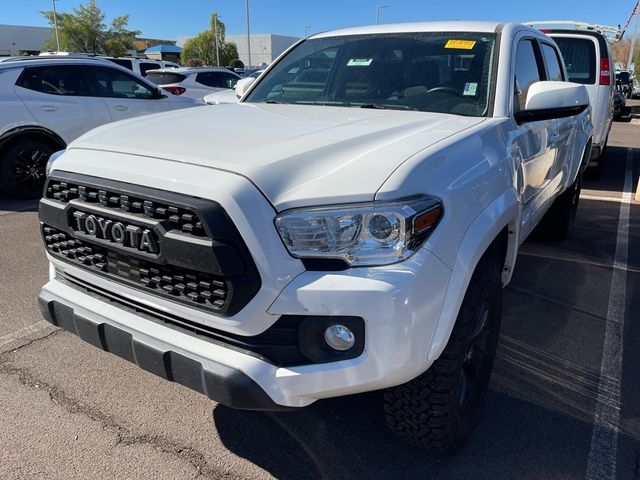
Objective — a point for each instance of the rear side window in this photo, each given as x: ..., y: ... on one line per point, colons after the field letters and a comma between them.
x: 66, y: 80
x: 580, y: 59
x: 122, y: 62
x: 553, y: 63
x: 165, y: 78
x: 217, y: 79
x: 527, y: 72
x: 146, y: 66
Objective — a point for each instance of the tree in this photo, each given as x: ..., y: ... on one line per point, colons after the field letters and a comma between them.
x: 84, y: 30
x: 621, y: 54
x: 203, y: 45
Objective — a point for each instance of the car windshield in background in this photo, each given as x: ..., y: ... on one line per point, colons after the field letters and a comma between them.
x: 624, y: 77
x: 432, y: 72
x: 580, y: 58
x: 165, y: 78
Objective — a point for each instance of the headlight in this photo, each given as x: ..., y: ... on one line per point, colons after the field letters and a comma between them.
x: 52, y: 159
x: 376, y: 233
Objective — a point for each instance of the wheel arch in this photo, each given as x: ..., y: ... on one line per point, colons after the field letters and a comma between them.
x: 494, y: 232
x: 10, y: 137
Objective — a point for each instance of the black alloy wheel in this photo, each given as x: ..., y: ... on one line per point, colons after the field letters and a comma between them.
x: 22, y: 168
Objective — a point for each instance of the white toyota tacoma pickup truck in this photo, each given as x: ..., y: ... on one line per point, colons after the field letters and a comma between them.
x: 348, y: 226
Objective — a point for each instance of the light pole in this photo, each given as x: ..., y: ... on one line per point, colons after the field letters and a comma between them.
x: 55, y: 23
x: 378, y: 8
x: 306, y: 27
x: 215, y: 34
x: 248, y: 33
x: 633, y: 39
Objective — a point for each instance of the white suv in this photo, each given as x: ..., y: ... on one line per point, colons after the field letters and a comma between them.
x: 194, y: 82
x: 48, y: 102
x: 347, y: 226
x: 589, y: 61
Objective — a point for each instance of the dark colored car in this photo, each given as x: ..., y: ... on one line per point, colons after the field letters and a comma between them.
x: 624, y: 83
x: 619, y: 103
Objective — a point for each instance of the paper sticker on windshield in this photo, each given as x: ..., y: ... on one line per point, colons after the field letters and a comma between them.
x: 359, y: 62
x: 470, y: 89
x: 461, y: 44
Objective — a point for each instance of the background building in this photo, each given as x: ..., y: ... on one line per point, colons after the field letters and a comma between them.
x: 164, y: 52
x: 21, y: 40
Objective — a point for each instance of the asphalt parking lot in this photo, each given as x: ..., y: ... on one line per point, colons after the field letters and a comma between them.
x: 564, y: 401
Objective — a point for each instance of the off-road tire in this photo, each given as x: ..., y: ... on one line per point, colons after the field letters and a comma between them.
x: 429, y: 411
x: 558, y: 221
x: 22, y: 167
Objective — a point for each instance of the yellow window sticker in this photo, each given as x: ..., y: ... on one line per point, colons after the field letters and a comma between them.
x: 461, y: 44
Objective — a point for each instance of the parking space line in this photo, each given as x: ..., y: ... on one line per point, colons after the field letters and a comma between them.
x: 598, y: 198
x: 23, y: 332
x: 601, y: 462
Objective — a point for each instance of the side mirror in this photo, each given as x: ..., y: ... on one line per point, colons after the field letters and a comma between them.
x: 158, y: 94
x: 243, y: 85
x: 550, y: 99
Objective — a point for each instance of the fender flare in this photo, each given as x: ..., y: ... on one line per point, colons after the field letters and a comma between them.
x: 9, y: 135
x: 502, y: 213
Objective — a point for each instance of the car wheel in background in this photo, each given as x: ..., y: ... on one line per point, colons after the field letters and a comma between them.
x: 439, y: 409
x: 558, y: 221
x: 22, y: 168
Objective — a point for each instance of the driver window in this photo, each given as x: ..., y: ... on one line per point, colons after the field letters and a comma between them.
x: 527, y: 73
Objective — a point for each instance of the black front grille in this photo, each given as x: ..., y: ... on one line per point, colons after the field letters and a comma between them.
x: 180, y: 218
x: 187, y: 286
x: 200, y: 259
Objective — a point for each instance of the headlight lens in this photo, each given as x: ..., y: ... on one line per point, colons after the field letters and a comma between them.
x: 376, y: 233
x: 52, y: 159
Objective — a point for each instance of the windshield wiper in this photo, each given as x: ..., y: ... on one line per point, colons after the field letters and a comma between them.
x: 272, y: 101
x: 383, y: 106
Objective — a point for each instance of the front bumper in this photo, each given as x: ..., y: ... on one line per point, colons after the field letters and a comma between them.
x: 219, y: 382
x: 400, y: 305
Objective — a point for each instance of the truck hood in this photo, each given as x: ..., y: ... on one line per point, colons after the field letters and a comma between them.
x: 296, y: 155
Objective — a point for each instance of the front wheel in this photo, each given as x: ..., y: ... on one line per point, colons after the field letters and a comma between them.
x: 439, y: 409
x: 22, y: 168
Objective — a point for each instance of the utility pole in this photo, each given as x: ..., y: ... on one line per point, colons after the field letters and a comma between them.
x: 215, y: 34
x: 55, y: 23
x: 378, y: 8
x: 633, y: 39
x: 248, y: 33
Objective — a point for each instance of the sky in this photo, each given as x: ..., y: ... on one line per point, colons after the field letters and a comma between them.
x: 170, y: 19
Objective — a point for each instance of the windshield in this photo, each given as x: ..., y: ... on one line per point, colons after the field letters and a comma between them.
x: 430, y: 72
x: 624, y: 77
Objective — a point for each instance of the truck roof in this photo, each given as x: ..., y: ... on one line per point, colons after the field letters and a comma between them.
x: 446, y: 26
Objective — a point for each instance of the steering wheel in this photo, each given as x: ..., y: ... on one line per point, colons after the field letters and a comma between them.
x: 444, y: 89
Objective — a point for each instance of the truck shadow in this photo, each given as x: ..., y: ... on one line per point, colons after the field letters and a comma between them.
x: 346, y: 438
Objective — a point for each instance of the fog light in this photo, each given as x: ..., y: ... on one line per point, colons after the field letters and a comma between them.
x: 339, y: 337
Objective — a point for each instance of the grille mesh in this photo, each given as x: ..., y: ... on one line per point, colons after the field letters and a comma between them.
x: 187, y: 286
x: 179, y: 218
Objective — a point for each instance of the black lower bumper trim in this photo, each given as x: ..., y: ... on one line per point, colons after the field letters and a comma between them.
x: 221, y: 383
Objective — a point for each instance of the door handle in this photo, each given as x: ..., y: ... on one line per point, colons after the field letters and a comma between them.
x: 48, y: 108
x: 121, y: 108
